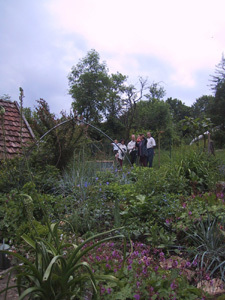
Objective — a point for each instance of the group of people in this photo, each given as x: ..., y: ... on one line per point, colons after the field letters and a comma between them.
x: 141, y: 150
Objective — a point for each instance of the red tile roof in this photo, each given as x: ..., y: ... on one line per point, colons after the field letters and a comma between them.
x: 12, y: 139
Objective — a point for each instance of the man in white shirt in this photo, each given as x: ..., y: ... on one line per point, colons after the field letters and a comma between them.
x: 150, y: 148
x: 131, y: 147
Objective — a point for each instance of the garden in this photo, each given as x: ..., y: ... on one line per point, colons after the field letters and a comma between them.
x: 131, y: 233
x: 74, y: 225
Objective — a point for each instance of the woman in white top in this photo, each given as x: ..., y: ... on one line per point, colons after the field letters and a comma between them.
x: 121, y: 152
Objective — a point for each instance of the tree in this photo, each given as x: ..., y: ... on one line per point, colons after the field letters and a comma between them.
x: 113, y: 103
x: 154, y: 115
x: 197, y: 127
x: 156, y: 92
x: 131, y: 97
x: 219, y: 78
x: 59, y: 144
x: 217, y: 108
x: 89, y: 84
x: 201, y: 107
x: 178, y: 109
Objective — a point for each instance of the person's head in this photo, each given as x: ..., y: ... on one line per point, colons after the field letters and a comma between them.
x: 116, y: 141
x: 142, y: 136
x: 149, y: 134
x: 133, y: 137
x: 122, y: 141
x: 138, y: 138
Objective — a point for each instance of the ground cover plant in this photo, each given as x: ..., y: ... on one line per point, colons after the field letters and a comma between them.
x: 167, y: 215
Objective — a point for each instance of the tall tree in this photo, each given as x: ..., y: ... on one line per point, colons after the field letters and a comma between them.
x: 178, y: 109
x: 201, y: 106
x: 131, y: 97
x: 89, y: 83
x: 113, y: 103
x: 217, y: 109
x: 154, y: 115
x: 156, y: 92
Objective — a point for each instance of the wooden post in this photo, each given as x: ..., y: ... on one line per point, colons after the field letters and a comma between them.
x: 159, y: 137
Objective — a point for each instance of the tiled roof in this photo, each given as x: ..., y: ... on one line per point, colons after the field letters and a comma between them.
x: 12, y: 139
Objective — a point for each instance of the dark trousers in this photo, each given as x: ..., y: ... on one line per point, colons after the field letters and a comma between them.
x: 150, y: 157
x: 143, y: 161
x: 133, y: 156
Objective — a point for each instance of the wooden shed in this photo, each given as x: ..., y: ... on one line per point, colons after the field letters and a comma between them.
x: 15, y: 132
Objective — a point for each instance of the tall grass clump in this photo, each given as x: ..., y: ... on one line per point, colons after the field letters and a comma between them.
x: 57, y: 269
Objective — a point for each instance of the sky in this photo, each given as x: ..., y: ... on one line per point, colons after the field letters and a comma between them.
x: 176, y: 43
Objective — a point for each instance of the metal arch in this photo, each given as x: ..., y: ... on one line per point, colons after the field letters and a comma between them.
x: 76, y: 118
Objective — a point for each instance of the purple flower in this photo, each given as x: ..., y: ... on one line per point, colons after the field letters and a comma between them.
x: 188, y: 264
x: 190, y: 213
x: 156, y: 268
x: 109, y: 290
x: 173, y: 285
x: 175, y: 264
x: 137, y: 297
x: 103, y: 290
x: 107, y: 183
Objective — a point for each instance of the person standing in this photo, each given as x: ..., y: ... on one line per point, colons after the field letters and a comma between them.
x: 115, y: 149
x: 150, y: 149
x: 132, y: 149
x: 142, y: 150
x: 121, y: 152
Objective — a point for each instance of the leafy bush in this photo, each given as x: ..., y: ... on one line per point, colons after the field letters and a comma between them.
x: 21, y: 208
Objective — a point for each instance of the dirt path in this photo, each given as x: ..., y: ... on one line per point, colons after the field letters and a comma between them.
x: 12, y: 294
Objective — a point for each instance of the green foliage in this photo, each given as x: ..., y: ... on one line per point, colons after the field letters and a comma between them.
x: 201, y: 107
x: 57, y: 136
x: 21, y: 210
x: 58, y: 270
x: 13, y: 174
x: 196, y: 127
x: 201, y: 170
x: 178, y: 109
x: 155, y: 112
x: 89, y: 84
x: 208, y: 240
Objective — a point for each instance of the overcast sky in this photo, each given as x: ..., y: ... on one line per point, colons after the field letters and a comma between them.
x: 175, y: 42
